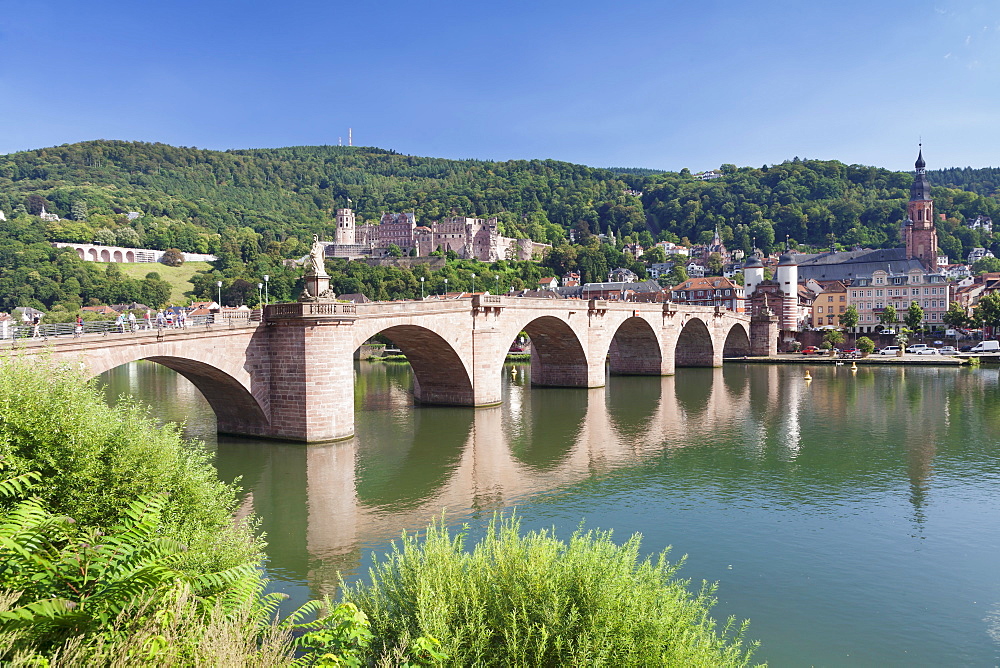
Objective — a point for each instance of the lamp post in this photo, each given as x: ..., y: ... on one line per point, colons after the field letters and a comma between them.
x: 498, y: 283
x: 218, y: 284
x: 260, y: 297
x: 446, y: 286
x: 266, y: 297
x: 421, y: 288
x: 473, y: 284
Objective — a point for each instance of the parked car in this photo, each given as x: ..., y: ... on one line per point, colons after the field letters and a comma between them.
x: 917, y: 348
x: 928, y: 351
x: 948, y: 350
x: 889, y: 350
x: 986, y: 347
x: 812, y: 350
x: 850, y: 352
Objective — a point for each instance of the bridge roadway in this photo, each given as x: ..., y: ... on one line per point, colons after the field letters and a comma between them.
x: 292, y: 376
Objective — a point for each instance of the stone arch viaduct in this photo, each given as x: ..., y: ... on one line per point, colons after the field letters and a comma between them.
x: 292, y: 378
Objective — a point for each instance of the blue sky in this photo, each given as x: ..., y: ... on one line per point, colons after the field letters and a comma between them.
x: 664, y: 85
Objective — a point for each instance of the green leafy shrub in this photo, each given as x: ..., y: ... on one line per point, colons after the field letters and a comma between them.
x: 94, y: 460
x: 531, y: 599
x: 866, y: 345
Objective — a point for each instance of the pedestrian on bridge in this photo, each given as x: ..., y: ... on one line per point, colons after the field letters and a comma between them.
x: 131, y: 322
x: 147, y: 320
x: 78, y: 330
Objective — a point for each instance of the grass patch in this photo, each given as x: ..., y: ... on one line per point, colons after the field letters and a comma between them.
x: 179, y: 278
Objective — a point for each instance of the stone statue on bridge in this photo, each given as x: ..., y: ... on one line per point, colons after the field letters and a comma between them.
x: 317, y: 252
x: 317, y: 281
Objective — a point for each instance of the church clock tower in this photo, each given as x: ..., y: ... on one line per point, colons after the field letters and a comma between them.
x: 918, y: 230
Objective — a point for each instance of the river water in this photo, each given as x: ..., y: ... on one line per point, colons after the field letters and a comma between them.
x: 854, y: 518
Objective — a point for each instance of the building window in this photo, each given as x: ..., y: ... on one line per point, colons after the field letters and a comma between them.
x: 820, y: 309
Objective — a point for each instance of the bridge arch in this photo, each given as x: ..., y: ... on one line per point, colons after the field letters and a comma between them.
x: 236, y: 409
x: 558, y: 358
x: 737, y: 342
x: 117, y: 257
x: 635, y: 349
x: 439, y: 373
x: 694, y: 345
x: 81, y: 253
x: 105, y: 255
x: 93, y: 257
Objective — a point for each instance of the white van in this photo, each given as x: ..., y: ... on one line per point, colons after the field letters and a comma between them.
x: 986, y: 347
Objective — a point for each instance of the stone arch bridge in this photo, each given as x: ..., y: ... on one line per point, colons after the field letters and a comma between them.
x: 292, y: 377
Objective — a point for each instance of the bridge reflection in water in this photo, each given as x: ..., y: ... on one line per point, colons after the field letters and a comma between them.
x: 322, y: 504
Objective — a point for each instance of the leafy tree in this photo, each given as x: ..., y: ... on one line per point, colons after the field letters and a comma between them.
x: 955, y: 317
x: 172, y: 257
x: 79, y: 210
x: 105, y: 237
x: 888, y: 316
x: 849, y: 318
x: 677, y: 275
x: 988, y: 310
x: 866, y: 345
x: 986, y: 265
x: 654, y: 255
x: 834, y: 337
x: 238, y: 292
x: 715, y: 264
x: 395, y: 251
x: 127, y: 237
x: 914, y: 317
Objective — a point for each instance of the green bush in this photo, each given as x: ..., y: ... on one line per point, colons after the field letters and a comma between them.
x: 866, y: 345
x: 519, y: 600
x: 95, y: 459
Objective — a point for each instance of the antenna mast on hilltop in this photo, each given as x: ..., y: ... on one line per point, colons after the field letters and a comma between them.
x: 350, y: 141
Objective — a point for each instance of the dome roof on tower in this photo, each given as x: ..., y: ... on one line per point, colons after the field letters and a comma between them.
x: 753, y: 263
x: 786, y: 260
x: 920, y: 164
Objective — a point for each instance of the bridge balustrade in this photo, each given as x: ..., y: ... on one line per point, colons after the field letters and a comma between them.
x: 67, y: 330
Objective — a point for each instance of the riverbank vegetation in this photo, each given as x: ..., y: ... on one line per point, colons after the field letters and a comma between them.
x: 519, y: 599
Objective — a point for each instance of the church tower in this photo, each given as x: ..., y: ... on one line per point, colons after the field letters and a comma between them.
x: 918, y: 230
x: 345, y: 227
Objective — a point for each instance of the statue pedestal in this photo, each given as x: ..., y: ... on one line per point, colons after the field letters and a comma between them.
x: 317, y: 287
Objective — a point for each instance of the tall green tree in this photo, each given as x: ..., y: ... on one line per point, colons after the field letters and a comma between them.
x: 914, y: 317
x: 988, y: 310
x: 955, y: 317
x: 849, y: 318
x: 888, y: 316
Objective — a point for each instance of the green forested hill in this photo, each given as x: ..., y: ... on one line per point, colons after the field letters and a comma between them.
x: 256, y: 207
x: 292, y: 191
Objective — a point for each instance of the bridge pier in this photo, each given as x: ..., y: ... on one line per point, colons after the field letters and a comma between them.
x: 764, y: 333
x: 311, y: 373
